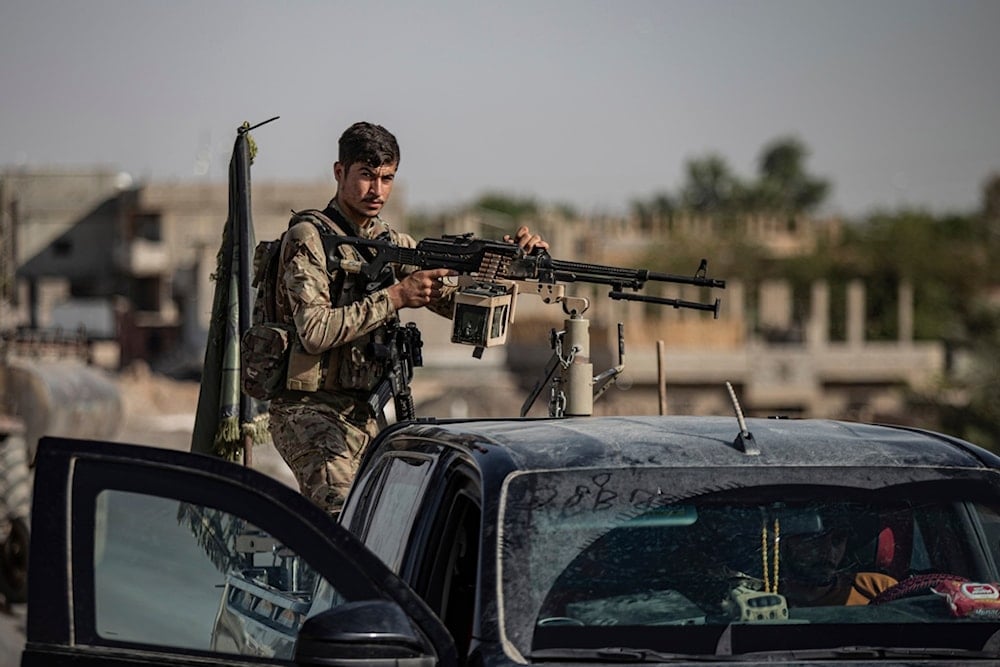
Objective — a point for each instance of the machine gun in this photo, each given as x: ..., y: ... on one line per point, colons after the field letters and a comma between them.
x: 493, y: 273
x: 400, y: 350
x: 488, y: 260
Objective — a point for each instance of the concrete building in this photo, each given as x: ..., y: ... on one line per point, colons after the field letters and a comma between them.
x: 132, y: 263
x: 90, y: 249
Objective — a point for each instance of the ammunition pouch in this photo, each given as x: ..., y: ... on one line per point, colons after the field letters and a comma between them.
x: 264, y: 359
x: 273, y: 360
x: 305, y: 371
x: 354, y: 365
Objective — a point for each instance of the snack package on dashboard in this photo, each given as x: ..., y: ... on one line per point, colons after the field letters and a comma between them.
x: 969, y: 599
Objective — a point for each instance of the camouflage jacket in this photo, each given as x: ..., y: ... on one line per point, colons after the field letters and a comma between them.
x: 337, y: 328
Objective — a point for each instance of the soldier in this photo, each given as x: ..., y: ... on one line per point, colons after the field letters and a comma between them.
x: 321, y: 435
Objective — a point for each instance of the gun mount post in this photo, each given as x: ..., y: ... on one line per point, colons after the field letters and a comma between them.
x: 578, y: 373
x: 574, y: 388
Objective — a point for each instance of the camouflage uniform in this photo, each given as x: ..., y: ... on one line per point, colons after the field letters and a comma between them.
x: 321, y: 435
x: 321, y: 438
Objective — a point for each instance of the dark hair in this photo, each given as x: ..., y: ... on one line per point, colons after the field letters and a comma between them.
x: 368, y: 143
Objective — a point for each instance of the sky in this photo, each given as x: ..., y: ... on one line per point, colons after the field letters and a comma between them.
x: 594, y: 104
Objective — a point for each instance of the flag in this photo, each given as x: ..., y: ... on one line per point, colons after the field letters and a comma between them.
x: 228, y: 422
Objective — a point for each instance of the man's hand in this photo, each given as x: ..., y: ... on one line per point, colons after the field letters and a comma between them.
x: 528, y: 241
x: 419, y: 288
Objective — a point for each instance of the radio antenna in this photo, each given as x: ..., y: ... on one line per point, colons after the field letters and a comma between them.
x: 744, y: 440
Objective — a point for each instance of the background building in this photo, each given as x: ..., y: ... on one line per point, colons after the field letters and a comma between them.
x: 131, y: 264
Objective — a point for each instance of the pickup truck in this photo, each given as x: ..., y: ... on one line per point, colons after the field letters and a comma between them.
x: 596, y: 540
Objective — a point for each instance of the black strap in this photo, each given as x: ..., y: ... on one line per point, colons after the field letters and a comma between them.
x: 338, y: 217
x: 329, y: 236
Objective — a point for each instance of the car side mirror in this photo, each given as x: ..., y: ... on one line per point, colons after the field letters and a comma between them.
x: 366, y: 631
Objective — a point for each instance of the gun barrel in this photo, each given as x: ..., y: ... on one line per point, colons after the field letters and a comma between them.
x: 568, y: 271
x: 613, y: 275
x: 699, y: 280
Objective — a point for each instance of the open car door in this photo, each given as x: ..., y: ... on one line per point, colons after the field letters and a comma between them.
x: 150, y: 556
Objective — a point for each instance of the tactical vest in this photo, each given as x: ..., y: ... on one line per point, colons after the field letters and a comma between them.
x: 352, y: 366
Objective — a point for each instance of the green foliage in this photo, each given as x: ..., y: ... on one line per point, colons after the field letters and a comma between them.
x: 566, y: 211
x: 660, y: 206
x: 943, y: 258
x: 711, y: 187
x: 421, y: 224
x: 782, y: 186
x: 517, y: 208
x: 977, y: 417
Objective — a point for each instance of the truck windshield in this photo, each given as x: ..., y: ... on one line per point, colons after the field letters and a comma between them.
x: 591, y: 558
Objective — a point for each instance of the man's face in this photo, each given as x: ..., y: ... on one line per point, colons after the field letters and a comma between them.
x: 362, y: 190
x: 814, y: 558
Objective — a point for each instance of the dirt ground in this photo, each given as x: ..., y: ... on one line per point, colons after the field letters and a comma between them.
x: 159, y: 412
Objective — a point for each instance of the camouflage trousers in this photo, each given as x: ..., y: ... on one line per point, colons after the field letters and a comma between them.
x: 322, y: 440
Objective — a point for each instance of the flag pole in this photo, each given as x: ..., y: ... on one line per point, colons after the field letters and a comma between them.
x: 227, y: 421
x: 244, y: 225
x: 244, y: 158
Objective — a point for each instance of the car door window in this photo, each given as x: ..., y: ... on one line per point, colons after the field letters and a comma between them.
x: 188, y: 576
x: 989, y: 519
x: 187, y: 556
x: 395, y: 509
x: 450, y: 588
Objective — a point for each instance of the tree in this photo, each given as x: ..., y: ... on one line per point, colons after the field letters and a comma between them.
x: 517, y: 208
x: 991, y: 223
x: 978, y: 417
x: 659, y: 206
x: 991, y: 205
x: 711, y: 186
x: 784, y: 186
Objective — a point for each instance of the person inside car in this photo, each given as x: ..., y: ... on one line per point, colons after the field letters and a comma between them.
x: 812, y: 573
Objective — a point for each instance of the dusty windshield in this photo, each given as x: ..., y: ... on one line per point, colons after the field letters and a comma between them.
x: 721, y: 549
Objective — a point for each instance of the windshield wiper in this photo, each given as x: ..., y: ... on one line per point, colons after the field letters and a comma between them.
x: 622, y: 654
x: 874, y: 651
x: 628, y: 654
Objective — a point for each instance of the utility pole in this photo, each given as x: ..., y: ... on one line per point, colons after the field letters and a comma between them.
x: 8, y: 256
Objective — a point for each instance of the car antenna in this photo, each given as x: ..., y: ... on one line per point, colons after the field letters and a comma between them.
x: 744, y: 440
